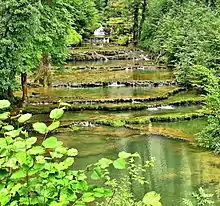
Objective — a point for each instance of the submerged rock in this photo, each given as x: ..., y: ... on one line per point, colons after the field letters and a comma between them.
x: 167, y: 107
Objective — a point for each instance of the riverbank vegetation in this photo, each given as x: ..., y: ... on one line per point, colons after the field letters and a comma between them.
x: 36, y: 34
x: 186, y: 34
x: 160, y: 65
x: 43, y: 174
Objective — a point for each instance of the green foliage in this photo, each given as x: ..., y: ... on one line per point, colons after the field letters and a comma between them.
x: 4, y: 104
x: 19, y: 22
x: 122, y: 195
x: 38, y: 33
x: 196, y: 76
x: 85, y: 15
x: 73, y: 38
x: 122, y: 17
x: 209, y: 137
x: 123, y: 40
x: 178, y: 36
x: 201, y: 198
x: 39, y: 171
x: 152, y: 199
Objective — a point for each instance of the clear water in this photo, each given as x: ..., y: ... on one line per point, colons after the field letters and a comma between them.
x: 97, y: 93
x: 101, y: 75
x: 104, y: 115
x: 179, y: 169
x: 110, y: 63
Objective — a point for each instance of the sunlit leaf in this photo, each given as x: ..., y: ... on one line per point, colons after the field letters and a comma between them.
x: 104, y: 163
x: 120, y: 163
x: 152, y: 199
x: 124, y: 155
x: 72, y: 152
x: 4, y: 104
x: 23, y: 118
x: 37, y: 150
x: 8, y: 128
x: 50, y: 142
x: 56, y: 113
x: 4, y: 116
x: 54, y: 126
x: 40, y: 127
x: 88, y: 197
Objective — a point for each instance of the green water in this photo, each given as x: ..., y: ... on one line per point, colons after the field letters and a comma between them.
x: 111, y: 63
x: 98, y: 92
x: 190, y: 128
x: 91, y: 76
x: 179, y: 168
x: 104, y: 115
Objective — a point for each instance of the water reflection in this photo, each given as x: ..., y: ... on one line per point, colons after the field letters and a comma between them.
x: 96, y: 93
x: 179, y: 167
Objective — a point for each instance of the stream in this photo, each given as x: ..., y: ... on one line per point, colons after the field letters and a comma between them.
x: 180, y: 167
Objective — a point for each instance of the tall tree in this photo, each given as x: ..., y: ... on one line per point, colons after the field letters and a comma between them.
x: 19, y: 21
x: 144, y: 11
x: 136, y: 6
x: 58, y: 19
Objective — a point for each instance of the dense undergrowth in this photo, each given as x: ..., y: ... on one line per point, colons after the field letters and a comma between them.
x: 187, y: 34
x: 40, y: 170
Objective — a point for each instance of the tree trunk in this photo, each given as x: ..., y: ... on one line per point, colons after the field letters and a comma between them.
x: 135, y: 25
x: 24, y: 87
x: 46, y: 64
x: 143, y: 15
x: 43, y: 75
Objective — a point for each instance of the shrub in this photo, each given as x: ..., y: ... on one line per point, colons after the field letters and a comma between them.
x: 186, y: 34
x: 196, y: 76
x: 40, y: 171
x: 210, y: 135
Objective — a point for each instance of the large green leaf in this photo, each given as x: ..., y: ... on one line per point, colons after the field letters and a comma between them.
x: 119, y: 163
x: 18, y: 174
x: 30, y: 141
x: 40, y: 127
x: 12, y: 163
x: 14, y: 133
x: 97, y: 173
x: 56, y: 113
x: 36, y: 169
x: 108, y: 193
x: 23, y: 118
x: 99, y: 192
x: 50, y: 142
x: 3, y: 143
x: 21, y: 157
x: 37, y: 150
x: 54, y: 126
x: 4, y: 116
x: 19, y: 145
x: 61, y: 149
x: 88, y: 197
x: 4, y: 104
x: 124, y: 155
x: 8, y: 128
x: 4, y: 197
x: 152, y: 199
x: 104, y: 163
x: 68, y: 161
x: 72, y: 152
